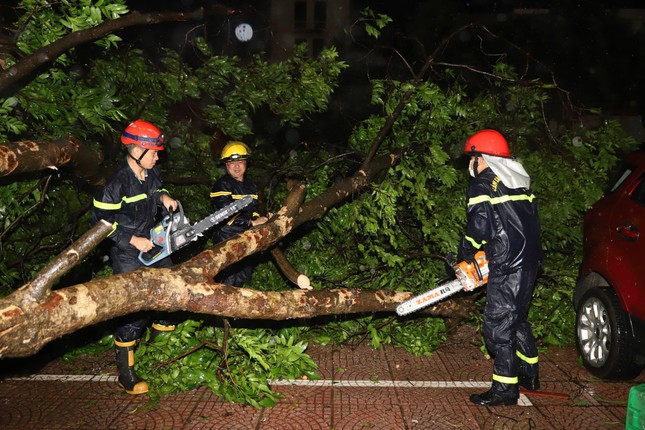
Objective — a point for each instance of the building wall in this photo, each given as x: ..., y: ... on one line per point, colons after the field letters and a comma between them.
x: 316, y: 22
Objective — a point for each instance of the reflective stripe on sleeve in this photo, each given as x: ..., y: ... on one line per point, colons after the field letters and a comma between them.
x: 117, y: 206
x: 135, y: 198
x: 474, y: 243
x: 502, y: 199
x: 220, y: 193
x: 107, y: 206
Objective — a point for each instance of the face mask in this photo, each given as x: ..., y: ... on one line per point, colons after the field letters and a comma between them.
x: 471, y: 167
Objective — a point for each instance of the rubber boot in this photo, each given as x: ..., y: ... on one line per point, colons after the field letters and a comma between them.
x: 529, y: 373
x: 128, y: 378
x: 157, y: 329
x: 499, y: 394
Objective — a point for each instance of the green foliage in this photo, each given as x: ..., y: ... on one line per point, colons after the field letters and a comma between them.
x: 44, y: 22
x: 419, y: 336
x: 93, y: 100
x: 240, y: 369
x: 374, y: 22
x: 59, y: 101
x: 392, y: 236
x: 104, y: 344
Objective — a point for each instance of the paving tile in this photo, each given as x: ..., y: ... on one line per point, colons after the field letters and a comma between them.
x: 356, y: 396
x: 55, y: 390
x: 362, y: 388
x: 322, y: 356
x: 18, y: 415
x: 469, y: 366
x: 164, y: 415
x: 361, y: 363
x: 320, y: 396
x: 99, y: 389
x: 347, y: 417
x: 14, y: 388
x: 591, y: 418
x: 406, y: 367
x: 215, y: 413
x: 609, y: 393
x: 292, y: 416
x: 77, y: 413
x: 514, y: 417
x: 561, y: 354
x: 428, y: 408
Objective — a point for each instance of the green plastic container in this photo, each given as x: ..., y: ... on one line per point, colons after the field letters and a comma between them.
x: 636, y: 408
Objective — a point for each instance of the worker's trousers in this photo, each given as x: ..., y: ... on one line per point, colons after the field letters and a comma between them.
x: 506, y: 329
x: 135, y: 324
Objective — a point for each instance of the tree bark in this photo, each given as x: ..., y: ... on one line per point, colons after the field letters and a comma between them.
x: 26, y: 325
x: 31, y: 156
x: 287, y: 269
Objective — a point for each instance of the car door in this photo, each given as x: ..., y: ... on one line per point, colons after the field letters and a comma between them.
x: 628, y: 226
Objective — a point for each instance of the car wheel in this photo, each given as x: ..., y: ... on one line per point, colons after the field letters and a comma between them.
x: 603, y: 336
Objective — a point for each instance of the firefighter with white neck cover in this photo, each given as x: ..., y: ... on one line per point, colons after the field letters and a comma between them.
x: 230, y: 187
x: 503, y: 221
x: 129, y: 201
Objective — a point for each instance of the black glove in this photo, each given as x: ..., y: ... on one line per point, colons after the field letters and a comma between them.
x: 451, y: 259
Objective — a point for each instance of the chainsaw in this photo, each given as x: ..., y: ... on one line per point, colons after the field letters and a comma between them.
x: 174, y: 231
x: 470, y: 275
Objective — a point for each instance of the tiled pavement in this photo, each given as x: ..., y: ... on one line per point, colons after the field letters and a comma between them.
x: 361, y: 388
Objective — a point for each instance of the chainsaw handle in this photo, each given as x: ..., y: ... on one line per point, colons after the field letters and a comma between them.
x: 163, y: 240
x: 480, y: 276
x: 159, y: 256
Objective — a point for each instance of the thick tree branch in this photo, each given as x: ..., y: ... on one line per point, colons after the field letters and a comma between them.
x: 30, y: 156
x: 287, y: 269
x: 26, y: 326
x: 26, y: 65
x: 41, y: 285
x: 353, y: 185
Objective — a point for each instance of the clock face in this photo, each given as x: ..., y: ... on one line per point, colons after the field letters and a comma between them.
x: 244, y: 32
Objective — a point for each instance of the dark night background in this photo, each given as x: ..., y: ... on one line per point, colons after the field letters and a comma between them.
x: 585, y: 45
x: 590, y: 51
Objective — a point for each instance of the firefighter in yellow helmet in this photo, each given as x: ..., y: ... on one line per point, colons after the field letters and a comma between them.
x: 503, y: 221
x: 129, y: 201
x: 230, y: 187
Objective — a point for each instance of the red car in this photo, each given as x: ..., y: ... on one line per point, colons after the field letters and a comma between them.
x: 610, y: 293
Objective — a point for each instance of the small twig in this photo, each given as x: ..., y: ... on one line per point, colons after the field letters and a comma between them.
x: 190, y: 351
x: 224, y: 361
x: 26, y: 213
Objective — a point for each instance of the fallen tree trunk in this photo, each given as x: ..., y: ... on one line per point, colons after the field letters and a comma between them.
x: 27, y: 325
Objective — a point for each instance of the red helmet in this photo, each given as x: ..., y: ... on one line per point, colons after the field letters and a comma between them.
x: 489, y: 142
x: 143, y: 134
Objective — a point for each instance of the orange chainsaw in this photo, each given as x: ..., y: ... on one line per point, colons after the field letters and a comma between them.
x: 470, y: 275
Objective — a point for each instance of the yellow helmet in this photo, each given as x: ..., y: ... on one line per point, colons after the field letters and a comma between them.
x: 234, y: 151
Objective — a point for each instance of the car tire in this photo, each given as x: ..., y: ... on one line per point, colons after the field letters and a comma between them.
x: 603, y: 336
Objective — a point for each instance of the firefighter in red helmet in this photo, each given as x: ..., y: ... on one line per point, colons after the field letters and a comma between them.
x: 503, y: 221
x: 129, y: 201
